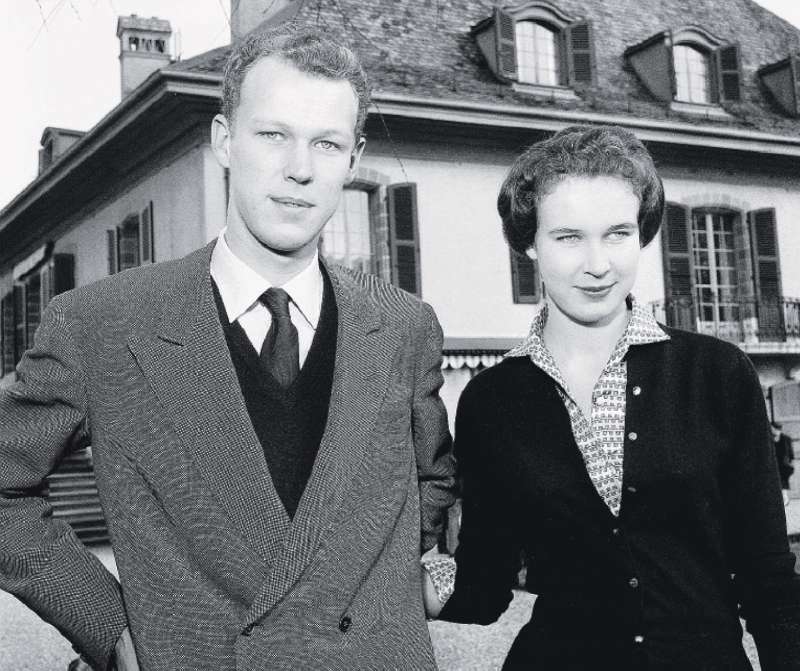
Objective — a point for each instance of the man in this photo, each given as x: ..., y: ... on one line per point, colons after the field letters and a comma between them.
x: 269, y: 444
x: 784, y: 455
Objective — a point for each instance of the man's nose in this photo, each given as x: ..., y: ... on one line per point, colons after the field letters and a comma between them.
x: 297, y: 167
x: 597, y: 262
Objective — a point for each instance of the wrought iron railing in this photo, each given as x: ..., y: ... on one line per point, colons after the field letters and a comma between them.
x: 741, y: 321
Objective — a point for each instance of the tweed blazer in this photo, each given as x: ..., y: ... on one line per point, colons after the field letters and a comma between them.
x: 213, y: 573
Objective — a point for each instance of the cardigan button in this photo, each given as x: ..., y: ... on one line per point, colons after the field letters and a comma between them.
x: 636, y: 390
x: 638, y: 638
x: 633, y: 435
x: 631, y: 489
x: 634, y: 583
x: 615, y: 531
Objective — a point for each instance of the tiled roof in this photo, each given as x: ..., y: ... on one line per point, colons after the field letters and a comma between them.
x: 424, y: 48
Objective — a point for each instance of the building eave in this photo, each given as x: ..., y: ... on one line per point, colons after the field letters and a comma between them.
x: 545, y: 119
x: 158, y: 86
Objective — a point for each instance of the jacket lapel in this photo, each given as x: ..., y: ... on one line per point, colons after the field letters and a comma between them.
x: 189, y: 367
x: 365, y: 350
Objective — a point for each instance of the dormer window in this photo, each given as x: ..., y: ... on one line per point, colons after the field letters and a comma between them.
x: 689, y: 68
x: 691, y: 74
x: 537, y: 54
x: 537, y: 48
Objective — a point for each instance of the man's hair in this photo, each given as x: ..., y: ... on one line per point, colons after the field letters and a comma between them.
x: 306, y: 48
x: 578, y: 151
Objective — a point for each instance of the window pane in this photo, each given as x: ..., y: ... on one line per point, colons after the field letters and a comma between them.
x: 128, y: 242
x: 537, y: 54
x: 347, y: 239
x: 691, y: 74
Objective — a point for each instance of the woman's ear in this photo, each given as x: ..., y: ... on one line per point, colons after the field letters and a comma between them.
x: 531, y: 253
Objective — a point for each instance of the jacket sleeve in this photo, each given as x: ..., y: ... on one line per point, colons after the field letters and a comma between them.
x: 489, y: 551
x: 42, y: 562
x: 432, y: 442
x: 767, y: 586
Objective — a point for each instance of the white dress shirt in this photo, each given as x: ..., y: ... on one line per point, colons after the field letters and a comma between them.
x: 240, y: 287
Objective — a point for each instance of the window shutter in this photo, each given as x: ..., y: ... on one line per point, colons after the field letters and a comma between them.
x: 504, y: 37
x: 19, y: 322
x: 766, y: 272
x: 404, y: 236
x: 111, y: 240
x: 653, y: 64
x: 46, y: 279
x: 146, y: 234
x: 676, y: 247
x: 63, y: 273
x: 580, y: 52
x: 33, y: 307
x: 525, y: 282
x: 7, y: 317
x: 729, y: 73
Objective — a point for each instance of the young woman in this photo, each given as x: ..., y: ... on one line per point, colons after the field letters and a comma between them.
x: 629, y: 463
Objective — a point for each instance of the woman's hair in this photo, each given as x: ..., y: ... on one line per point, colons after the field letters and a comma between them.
x: 578, y: 151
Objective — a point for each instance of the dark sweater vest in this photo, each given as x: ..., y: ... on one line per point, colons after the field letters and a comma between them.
x: 288, y: 422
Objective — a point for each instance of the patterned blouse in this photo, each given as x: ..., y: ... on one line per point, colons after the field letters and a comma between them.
x: 600, y: 438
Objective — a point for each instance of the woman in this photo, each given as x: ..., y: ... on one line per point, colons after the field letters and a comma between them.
x: 630, y: 464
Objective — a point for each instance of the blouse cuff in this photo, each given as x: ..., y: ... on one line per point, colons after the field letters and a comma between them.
x: 442, y: 570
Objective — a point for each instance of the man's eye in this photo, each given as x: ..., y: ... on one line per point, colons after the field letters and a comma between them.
x: 572, y: 237
x: 270, y: 134
x: 327, y: 145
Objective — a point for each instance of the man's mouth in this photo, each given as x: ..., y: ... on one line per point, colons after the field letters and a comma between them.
x: 291, y: 202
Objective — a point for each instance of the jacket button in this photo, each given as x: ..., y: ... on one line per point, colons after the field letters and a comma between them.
x: 345, y: 623
x: 636, y: 390
x: 248, y: 630
x: 633, y: 435
x: 634, y: 583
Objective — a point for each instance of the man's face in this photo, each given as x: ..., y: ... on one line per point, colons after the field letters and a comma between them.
x: 290, y: 150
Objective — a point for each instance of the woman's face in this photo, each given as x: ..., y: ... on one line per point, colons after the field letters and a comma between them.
x: 587, y: 246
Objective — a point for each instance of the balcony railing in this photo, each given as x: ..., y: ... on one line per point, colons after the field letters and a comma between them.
x: 740, y: 321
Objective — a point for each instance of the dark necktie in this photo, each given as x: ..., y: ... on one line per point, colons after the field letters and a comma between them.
x: 279, y: 353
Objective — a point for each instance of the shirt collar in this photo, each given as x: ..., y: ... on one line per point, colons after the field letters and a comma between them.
x: 240, y: 286
x: 642, y: 329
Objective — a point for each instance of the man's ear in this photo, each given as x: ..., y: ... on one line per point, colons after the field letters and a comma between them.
x: 355, y: 158
x: 221, y: 140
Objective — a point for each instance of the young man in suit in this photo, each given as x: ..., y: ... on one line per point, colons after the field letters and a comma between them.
x: 270, y: 448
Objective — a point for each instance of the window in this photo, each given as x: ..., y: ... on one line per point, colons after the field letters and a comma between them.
x: 526, y: 284
x: 722, y: 272
x: 537, y: 49
x: 21, y: 309
x: 782, y: 81
x: 688, y: 65
x: 347, y: 239
x: 375, y: 230
x: 691, y: 74
x: 131, y: 244
x: 536, y: 44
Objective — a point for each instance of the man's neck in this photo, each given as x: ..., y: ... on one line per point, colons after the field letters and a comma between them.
x: 277, y: 268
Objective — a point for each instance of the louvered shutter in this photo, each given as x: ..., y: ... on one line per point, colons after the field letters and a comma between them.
x: 33, y: 307
x: 19, y: 322
x: 729, y: 73
x: 46, y: 277
x: 111, y: 246
x: 7, y: 315
x: 63, y: 273
x: 580, y: 52
x: 146, y: 234
x: 766, y: 273
x: 526, y: 287
x: 504, y: 36
x: 676, y: 247
x: 404, y: 236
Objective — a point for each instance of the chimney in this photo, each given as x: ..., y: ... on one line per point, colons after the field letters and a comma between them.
x: 246, y: 15
x: 55, y: 142
x: 143, y: 49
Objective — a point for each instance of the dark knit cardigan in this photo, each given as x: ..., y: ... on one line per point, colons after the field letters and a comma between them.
x: 701, y: 529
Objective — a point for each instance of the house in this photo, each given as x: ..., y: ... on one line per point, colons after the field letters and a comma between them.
x: 460, y: 87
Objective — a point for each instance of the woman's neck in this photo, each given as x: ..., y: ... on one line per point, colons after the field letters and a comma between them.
x: 568, y: 338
